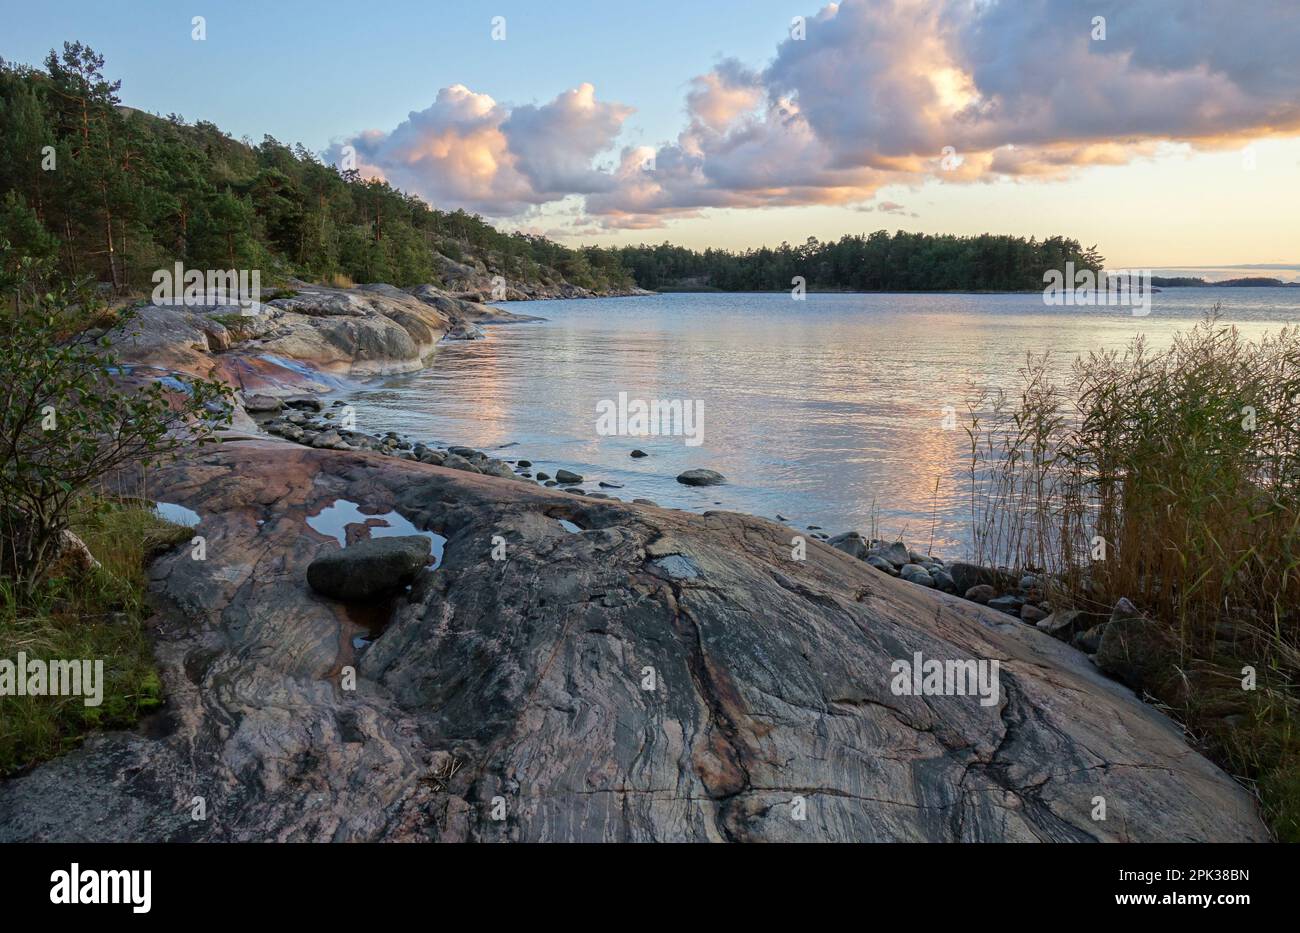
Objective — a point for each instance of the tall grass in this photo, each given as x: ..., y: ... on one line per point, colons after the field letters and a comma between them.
x: 96, y: 615
x: 1171, y: 478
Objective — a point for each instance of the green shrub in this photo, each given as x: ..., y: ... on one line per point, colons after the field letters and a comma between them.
x: 68, y: 420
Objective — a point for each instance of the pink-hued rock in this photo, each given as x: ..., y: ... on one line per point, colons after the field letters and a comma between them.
x: 526, y: 679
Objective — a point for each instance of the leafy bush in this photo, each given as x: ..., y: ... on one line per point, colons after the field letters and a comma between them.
x: 68, y: 420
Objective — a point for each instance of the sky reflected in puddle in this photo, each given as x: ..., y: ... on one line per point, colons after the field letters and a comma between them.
x: 334, y: 519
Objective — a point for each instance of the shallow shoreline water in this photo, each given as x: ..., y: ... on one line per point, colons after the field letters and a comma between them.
x: 830, y: 413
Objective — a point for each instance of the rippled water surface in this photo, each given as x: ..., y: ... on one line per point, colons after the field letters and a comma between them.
x: 813, y: 410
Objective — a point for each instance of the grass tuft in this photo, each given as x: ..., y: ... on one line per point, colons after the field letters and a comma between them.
x: 96, y: 615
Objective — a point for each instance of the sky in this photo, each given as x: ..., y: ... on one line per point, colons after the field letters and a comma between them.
x: 1166, y: 132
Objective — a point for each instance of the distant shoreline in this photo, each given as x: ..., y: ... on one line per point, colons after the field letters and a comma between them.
x: 1157, y: 282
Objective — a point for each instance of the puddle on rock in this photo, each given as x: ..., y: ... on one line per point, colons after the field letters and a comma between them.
x: 334, y: 519
x: 372, y: 619
x: 570, y: 527
x: 177, y: 514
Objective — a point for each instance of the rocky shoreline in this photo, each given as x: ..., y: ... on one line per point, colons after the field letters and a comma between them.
x: 309, y: 421
x: 385, y: 641
x: 622, y: 673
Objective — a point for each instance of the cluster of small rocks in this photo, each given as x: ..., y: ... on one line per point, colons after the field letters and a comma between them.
x: 895, y: 559
x: 306, y: 420
x: 1023, y: 596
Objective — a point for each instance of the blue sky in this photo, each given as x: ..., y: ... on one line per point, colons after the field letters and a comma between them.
x: 312, y: 70
x: 1173, y: 140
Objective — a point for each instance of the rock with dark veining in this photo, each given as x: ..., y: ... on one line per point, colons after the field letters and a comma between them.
x: 659, y: 676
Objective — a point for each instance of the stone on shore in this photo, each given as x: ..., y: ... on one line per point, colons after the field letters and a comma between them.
x: 1031, y: 614
x: 261, y: 403
x: 1008, y: 604
x: 701, y: 478
x: 851, y: 543
x: 1066, y: 623
x: 567, y: 476
x: 330, y: 439
x: 366, y: 569
x: 915, y: 573
x: 966, y: 575
x: 1134, y: 649
x: 457, y: 462
x: 881, y: 564
x: 942, y: 580
x: 896, y: 553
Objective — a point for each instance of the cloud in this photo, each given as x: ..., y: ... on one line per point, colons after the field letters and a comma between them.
x: 885, y: 207
x: 727, y: 92
x: 879, y: 92
x: 467, y: 150
x: 554, y: 145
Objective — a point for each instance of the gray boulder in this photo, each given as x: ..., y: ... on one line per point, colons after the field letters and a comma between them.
x: 497, y: 468
x: 1008, y: 604
x: 896, y: 553
x: 1134, y: 649
x: 457, y: 462
x: 981, y: 593
x: 261, y: 403
x: 851, y: 543
x: 915, y: 573
x: 567, y: 476
x: 329, y: 439
x: 1031, y: 614
x: 1066, y: 623
x: 966, y: 575
x: 1088, y: 641
x: 371, y: 568
x: 701, y: 478
x: 881, y: 564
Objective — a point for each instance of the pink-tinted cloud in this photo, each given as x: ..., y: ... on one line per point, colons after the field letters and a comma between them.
x: 879, y: 92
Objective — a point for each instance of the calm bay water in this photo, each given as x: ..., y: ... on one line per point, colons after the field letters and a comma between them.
x: 812, y: 409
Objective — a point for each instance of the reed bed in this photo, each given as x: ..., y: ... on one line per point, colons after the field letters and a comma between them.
x: 1171, y: 478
